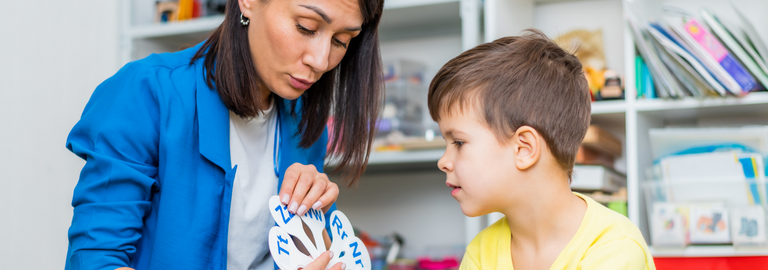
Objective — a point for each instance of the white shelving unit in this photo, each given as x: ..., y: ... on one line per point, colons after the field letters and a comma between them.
x: 405, y: 185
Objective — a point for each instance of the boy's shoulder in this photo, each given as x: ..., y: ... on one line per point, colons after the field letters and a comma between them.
x: 607, y: 224
x: 608, y: 240
x: 490, y: 248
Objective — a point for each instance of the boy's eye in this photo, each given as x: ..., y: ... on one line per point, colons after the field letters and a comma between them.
x: 458, y: 143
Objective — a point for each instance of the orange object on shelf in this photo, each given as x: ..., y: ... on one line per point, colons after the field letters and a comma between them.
x: 186, y: 8
x: 587, y: 156
x: 600, y: 140
x: 712, y: 263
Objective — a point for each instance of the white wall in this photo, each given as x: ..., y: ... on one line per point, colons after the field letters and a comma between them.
x: 52, y: 55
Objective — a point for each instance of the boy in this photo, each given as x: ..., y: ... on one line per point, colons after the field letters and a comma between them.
x: 514, y: 112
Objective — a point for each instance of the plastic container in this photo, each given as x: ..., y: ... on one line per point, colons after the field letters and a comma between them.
x: 706, y: 211
x: 405, y: 104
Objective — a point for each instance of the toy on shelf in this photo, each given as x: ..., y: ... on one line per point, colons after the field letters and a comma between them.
x: 173, y: 11
x: 167, y: 12
x: 603, y: 83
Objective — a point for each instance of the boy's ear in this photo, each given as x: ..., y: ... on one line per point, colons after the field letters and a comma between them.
x: 527, y: 142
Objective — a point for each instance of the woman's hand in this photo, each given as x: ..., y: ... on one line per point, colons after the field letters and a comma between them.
x: 323, y: 261
x: 304, y: 188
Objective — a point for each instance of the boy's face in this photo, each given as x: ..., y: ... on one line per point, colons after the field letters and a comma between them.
x: 478, y: 167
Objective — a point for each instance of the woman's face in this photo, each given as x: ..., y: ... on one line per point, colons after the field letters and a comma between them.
x: 293, y: 42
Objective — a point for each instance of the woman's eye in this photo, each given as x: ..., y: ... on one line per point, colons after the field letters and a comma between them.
x: 338, y: 43
x: 458, y: 143
x: 304, y: 31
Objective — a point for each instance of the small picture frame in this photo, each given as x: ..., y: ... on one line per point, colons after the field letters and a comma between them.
x: 709, y: 224
x: 668, y: 225
x: 748, y: 226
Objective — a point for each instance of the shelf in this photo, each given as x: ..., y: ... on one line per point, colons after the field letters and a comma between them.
x: 399, y: 157
x: 396, y: 4
x: 708, y: 251
x: 758, y: 98
x: 752, y: 104
x: 609, y: 107
x: 412, y: 19
x: 194, y: 26
x: 398, y: 20
x: 399, y: 161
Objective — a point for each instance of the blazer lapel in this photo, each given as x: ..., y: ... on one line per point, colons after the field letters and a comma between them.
x: 213, y: 122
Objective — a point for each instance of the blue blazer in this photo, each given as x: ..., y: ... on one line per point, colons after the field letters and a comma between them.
x: 156, y: 188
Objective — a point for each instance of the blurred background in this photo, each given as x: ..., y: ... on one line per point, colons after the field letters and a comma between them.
x: 642, y: 155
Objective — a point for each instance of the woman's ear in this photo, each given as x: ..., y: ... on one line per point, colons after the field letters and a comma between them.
x: 527, y: 147
x: 245, y: 7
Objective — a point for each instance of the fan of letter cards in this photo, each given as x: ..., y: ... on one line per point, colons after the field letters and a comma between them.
x: 286, y: 252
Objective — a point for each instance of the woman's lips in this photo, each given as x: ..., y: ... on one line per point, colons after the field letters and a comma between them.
x: 300, y: 84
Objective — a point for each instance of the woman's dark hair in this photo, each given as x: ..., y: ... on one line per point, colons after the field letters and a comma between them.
x: 353, y: 89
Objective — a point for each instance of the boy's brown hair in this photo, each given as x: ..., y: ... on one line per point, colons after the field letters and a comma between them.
x: 519, y: 81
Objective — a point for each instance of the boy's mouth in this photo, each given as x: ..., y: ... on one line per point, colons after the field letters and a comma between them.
x: 454, y: 187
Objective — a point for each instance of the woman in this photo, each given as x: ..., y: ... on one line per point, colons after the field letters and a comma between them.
x: 184, y: 149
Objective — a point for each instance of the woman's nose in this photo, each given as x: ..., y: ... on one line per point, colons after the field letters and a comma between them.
x: 317, y: 55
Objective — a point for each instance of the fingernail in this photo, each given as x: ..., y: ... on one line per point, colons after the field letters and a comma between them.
x: 286, y: 199
x: 330, y: 253
x: 293, y: 207
x: 343, y: 266
x: 317, y: 205
x: 302, y: 209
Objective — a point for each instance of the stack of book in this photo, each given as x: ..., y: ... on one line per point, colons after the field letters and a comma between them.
x: 690, y: 56
x: 594, y: 169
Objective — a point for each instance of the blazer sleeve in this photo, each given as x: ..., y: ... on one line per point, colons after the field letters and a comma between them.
x: 117, y: 136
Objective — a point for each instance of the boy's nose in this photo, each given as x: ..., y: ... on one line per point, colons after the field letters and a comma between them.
x: 444, y: 164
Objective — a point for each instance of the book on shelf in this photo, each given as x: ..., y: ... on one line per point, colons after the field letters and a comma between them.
x: 735, y: 47
x: 596, y: 177
x: 698, y: 57
x: 644, y: 81
x: 602, y: 141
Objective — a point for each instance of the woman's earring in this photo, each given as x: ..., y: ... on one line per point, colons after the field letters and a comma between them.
x: 244, y: 20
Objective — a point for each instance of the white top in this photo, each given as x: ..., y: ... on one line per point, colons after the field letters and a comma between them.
x: 251, y: 143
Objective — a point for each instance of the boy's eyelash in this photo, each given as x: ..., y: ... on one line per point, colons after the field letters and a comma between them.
x: 307, y: 32
x: 458, y: 143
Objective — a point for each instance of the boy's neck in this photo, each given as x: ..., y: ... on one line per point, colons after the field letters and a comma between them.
x: 549, y: 218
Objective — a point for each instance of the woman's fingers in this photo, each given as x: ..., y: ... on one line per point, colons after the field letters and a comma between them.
x: 329, y: 196
x: 322, y: 261
x: 305, y: 188
x: 300, y: 191
x: 318, y: 188
x: 290, y: 179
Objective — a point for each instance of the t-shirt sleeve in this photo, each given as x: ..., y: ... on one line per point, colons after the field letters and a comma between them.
x: 622, y: 253
x: 469, y: 262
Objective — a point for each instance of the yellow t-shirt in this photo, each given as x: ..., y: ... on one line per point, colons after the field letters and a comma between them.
x: 605, y: 240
